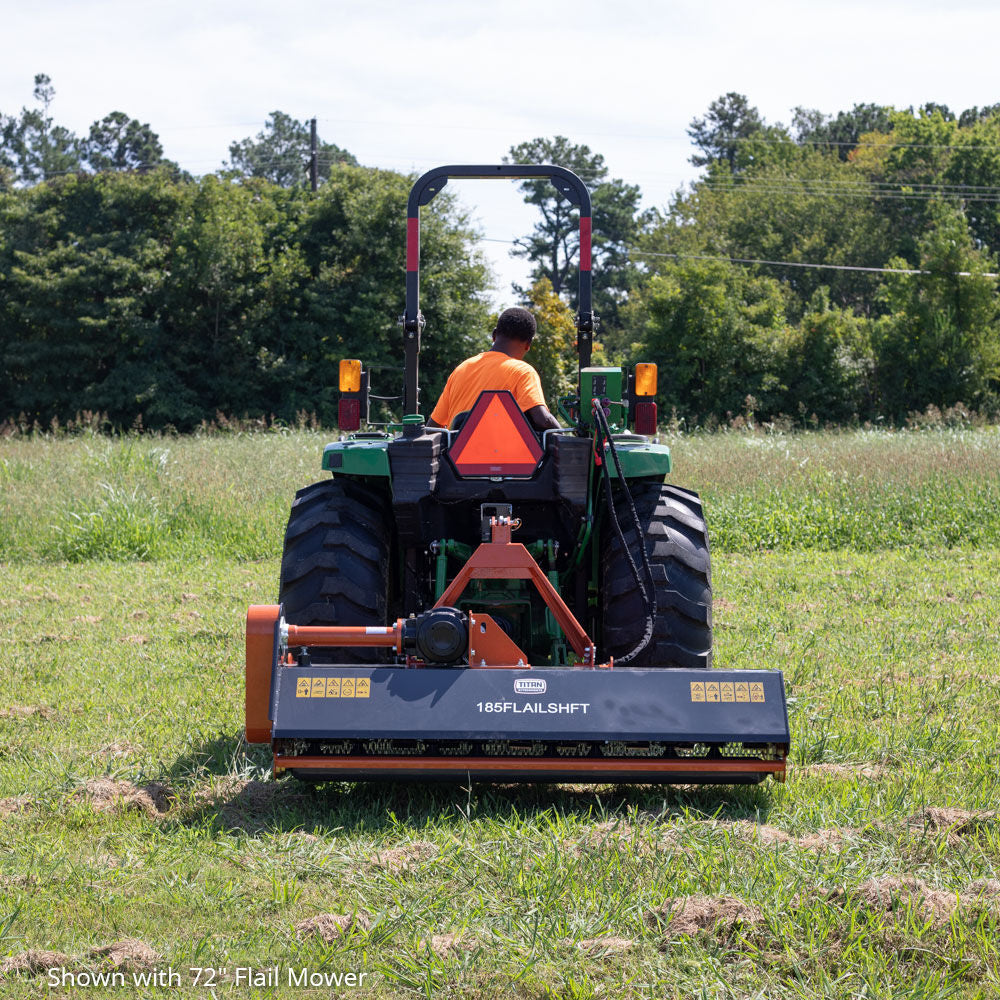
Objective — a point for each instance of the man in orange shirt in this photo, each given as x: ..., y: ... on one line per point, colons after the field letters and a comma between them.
x: 501, y: 367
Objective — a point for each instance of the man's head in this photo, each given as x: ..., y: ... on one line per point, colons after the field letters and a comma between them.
x: 516, y: 324
x: 514, y: 331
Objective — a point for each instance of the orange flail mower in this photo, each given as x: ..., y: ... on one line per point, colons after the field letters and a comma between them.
x: 414, y: 638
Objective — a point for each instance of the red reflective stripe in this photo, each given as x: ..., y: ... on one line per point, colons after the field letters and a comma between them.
x: 622, y: 768
x: 348, y: 413
x: 412, y: 244
x: 645, y: 417
x: 584, y: 242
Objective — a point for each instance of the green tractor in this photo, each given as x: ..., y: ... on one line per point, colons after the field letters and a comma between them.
x: 400, y: 575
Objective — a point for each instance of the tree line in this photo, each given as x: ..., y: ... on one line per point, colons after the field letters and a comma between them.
x: 835, y: 269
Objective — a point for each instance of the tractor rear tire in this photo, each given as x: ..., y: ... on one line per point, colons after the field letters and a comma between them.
x: 335, y: 563
x: 676, y: 538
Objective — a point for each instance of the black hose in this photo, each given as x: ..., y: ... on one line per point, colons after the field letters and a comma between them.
x: 648, y: 597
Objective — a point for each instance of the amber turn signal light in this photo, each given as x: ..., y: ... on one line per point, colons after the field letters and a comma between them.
x: 350, y: 375
x: 645, y: 379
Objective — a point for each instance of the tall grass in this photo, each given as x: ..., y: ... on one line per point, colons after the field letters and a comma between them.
x: 147, y: 497
x: 67, y: 499
x: 860, y: 490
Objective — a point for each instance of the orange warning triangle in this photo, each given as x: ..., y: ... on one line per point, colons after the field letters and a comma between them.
x: 496, y: 439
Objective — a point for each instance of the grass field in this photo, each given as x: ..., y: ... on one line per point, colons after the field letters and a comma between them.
x: 864, y: 565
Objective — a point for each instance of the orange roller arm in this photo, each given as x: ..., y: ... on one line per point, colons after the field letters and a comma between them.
x: 262, y: 620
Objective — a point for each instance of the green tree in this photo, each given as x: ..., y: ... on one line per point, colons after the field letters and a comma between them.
x: 842, y: 133
x: 904, y: 167
x: 118, y: 142
x: 554, y: 246
x: 553, y: 351
x: 829, y: 363
x: 280, y: 153
x: 970, y: 116
x: 940, y: 341
x: 721, y: 133
x: 143, y: 295
x: 31, y: 146
x: 353, y: 237
x: 232, y: 269
x: 806, y: 207
x: 717, y: 334
x: 85, y: 260
x: 973, y: 167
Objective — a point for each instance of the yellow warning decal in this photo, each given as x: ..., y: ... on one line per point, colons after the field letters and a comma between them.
x: 335, y: 687
x: 725, y: 691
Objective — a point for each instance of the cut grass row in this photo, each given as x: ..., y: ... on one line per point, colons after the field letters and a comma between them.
x: 74, y: 499
x: 135, y: 671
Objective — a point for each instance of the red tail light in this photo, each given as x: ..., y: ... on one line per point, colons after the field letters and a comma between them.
x: 349, y: 413
x: 645, y: 417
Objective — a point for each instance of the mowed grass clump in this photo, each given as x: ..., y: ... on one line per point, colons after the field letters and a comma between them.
x: 146, y: 497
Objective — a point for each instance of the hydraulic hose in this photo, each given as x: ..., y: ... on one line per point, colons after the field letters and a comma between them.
x: 648, y: 596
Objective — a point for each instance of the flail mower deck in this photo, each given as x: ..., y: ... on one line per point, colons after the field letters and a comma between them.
x: 414, y: 639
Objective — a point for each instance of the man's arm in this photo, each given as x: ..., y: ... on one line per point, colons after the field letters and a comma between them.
x: 431, y: 422
x: 541, y: 419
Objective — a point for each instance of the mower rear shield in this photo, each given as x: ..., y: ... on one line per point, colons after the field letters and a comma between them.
x: 549, y: 724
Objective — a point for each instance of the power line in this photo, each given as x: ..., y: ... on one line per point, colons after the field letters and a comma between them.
x: 795, y: 263
x: 930, y: 192
x: 633, y: 252
x: 660, y: 137
x: 874, y: 144
x: 834, y: 183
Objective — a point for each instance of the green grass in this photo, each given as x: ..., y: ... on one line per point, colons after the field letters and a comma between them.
x: 134, y: 663
x: 862, y: 490
x: 79, y: 498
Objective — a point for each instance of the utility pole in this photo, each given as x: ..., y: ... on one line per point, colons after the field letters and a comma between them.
x: 313, y: 156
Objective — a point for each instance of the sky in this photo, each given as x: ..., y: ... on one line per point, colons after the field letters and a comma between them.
x: 410, y: 86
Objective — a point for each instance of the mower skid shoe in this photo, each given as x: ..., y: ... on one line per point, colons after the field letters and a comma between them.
x: 621, y: 725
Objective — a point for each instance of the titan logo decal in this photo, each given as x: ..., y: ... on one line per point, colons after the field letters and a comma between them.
x: 529, y: 685
x: 333, y: 687
x: 727, y: 691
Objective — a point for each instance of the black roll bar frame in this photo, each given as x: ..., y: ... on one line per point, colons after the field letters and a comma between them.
x: 567, y: 183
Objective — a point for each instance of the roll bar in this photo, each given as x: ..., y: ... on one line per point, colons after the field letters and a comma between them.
x: 569, y: 186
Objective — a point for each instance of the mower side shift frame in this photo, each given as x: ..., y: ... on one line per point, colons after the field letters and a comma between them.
x: 487, y: 644
x: 502, y: 559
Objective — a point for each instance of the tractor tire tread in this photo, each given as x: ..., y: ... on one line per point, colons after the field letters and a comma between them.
x: 673, y: 529
x: 335, y: 564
